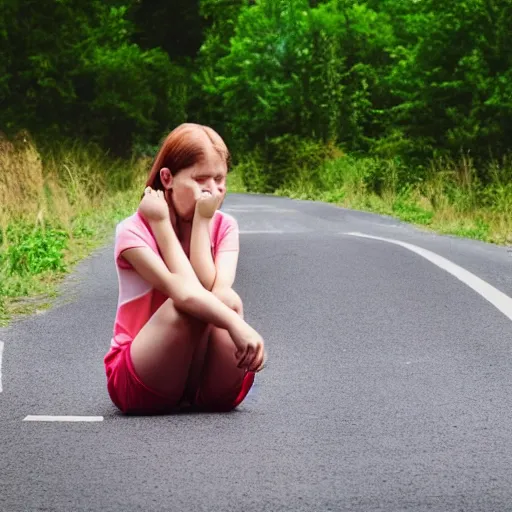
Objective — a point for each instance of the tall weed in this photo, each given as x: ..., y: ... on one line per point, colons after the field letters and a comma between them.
x: 54, y: 207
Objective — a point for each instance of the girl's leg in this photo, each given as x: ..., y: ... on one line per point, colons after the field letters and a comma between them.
x: 162, y: 351
x: 221, y: 379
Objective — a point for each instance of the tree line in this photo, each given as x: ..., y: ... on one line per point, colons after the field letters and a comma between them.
x: 404, y: 79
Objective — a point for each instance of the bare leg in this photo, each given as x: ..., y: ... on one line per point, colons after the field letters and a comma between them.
x: 221, y: 379
x: 162, y: 351
x: 197, y: 366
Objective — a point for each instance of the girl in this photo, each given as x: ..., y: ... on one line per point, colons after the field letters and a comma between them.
x: 179, y: 335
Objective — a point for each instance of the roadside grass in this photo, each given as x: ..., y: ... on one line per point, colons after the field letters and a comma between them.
x: 54, y: 211
x: 448, y: 198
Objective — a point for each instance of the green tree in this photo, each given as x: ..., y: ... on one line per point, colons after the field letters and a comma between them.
x: 259, y: 80
x: 176, y: 27
x: 452, y: 74
x: 356, y: 41
x: 221, y: 18
x: 72, y: 70
x: 290, y: 69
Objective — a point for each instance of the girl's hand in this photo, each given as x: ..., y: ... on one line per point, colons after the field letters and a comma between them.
x: 154, y: 207
x: 207, y: 204
x: 250, y: 348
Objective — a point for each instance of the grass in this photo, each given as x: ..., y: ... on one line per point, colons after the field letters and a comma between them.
x: 449, y: 199
x: 54, y: 211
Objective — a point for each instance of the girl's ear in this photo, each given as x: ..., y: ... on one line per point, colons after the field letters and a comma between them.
x: 166, y: 178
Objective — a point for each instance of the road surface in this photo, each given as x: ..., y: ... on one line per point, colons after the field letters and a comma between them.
x: 388, y: 387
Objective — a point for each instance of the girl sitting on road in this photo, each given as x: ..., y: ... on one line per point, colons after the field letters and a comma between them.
x: 179, y: 335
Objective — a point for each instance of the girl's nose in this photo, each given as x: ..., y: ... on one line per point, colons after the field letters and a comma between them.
x: 211, y: 186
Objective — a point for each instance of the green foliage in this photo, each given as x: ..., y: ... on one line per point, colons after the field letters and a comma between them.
x: 73, y: 70
x: 257, y: 79
x: 71, y: 204
x: 452, y: 76
x: 405, y: 82
x: 363, y: 174
x: 394, y: 79
x: 407, y: 209
x: 176, y: 27
x: 293, y: 69
x: 33, y: 250
x: 284, y: 161
x: 252, y: 170
x: 477, y: 229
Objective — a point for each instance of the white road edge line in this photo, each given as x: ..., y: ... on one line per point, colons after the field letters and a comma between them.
x: 498, y: 299
x: 1, y: 352
x: 63, y: 418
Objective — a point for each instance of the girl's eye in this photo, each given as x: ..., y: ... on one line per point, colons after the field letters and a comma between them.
x: 219, y: 179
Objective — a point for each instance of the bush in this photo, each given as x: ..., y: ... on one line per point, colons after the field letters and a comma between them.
x: 34, y: 250
x: 364, y: 175
x: 285, y: 161
x: 407, y: 209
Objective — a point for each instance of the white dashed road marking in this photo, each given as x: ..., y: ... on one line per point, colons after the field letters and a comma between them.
x: 64, y: 418
x: 498, y: 299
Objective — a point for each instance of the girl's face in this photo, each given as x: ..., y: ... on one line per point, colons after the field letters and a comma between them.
x: 208, y: 175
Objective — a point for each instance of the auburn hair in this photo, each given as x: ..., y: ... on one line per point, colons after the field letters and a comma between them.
x: 183, y: 147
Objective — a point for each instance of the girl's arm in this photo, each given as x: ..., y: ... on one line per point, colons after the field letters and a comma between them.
x: 171, y: 250
x: 200, y: 251
x: 193, y: 299
x: 201, y: 267
x: 175, y: 276
x: 213, y: 275
x: 187, y: 295
x: 155, y: 210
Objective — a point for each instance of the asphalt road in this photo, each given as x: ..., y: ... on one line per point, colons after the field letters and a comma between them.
x: 389, y: 383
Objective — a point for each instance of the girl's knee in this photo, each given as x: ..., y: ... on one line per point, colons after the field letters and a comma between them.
x: 237, y: 305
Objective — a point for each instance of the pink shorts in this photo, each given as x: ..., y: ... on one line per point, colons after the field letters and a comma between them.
x: 132, y: 396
